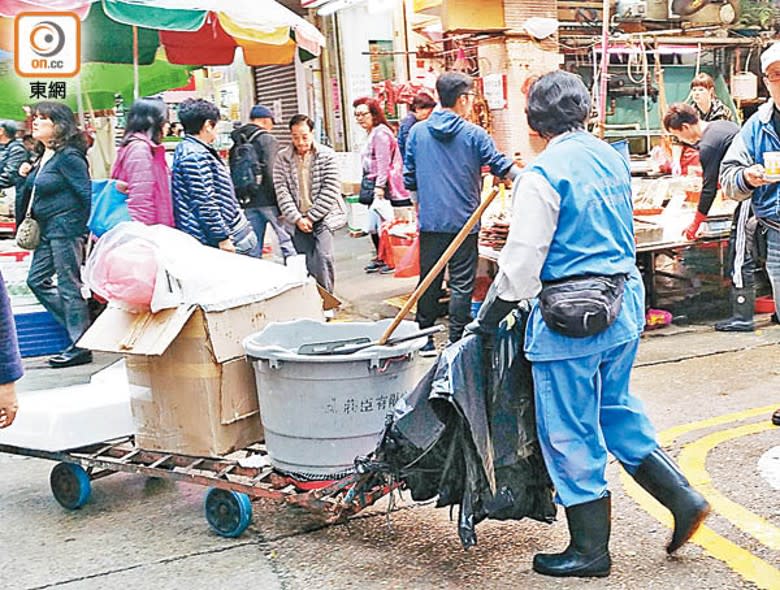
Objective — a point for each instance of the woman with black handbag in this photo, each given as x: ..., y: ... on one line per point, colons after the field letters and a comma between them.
x: 57, y: 193
x: 382, y: 175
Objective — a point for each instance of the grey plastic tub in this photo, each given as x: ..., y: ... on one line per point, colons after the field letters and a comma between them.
x: 320, y: 412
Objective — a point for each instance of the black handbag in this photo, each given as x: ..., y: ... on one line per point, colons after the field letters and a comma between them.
x: 367, y: 186
x: 582, y: 306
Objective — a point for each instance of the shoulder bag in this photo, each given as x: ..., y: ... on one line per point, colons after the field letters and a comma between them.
x: 28, y: 234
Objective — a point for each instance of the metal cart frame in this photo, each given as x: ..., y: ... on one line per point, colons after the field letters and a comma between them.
x: 228, y: 504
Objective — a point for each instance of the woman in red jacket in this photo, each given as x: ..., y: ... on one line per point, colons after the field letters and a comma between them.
x: 141, y: 164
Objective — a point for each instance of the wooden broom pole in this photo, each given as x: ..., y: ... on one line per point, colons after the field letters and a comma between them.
x: 439, y: 266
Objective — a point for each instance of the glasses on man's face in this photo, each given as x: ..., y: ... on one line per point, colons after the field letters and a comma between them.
x: 772, y: 77
x: 361, y: 114
x: 469, y: 94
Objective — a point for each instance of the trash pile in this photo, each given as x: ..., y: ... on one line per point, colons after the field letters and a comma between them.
x: 466, y: 435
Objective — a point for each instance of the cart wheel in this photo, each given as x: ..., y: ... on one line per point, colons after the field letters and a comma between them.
x: 70, y: 485
x: 228, y: 512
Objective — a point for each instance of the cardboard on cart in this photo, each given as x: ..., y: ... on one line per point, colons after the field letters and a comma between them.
x: 192, y: 391
x: 70, y: 417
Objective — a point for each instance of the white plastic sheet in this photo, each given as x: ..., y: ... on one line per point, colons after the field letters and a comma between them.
x: 185, y: 271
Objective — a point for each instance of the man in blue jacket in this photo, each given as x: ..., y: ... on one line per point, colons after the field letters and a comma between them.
x: 443, y: 163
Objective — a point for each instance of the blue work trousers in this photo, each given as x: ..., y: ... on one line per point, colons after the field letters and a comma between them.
x: 583, y: 409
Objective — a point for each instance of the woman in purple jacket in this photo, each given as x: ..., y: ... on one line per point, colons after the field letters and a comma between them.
x: 383, y: 167
x: 141, y: 164
x: 10, y: 362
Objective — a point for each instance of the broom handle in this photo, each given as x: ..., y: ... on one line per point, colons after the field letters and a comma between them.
x: 445, y: 258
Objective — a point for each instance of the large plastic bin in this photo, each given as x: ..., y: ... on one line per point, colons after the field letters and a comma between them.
x: 320, y: 412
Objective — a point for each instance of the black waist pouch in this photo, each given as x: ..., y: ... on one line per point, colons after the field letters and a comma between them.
x: 582, y: 306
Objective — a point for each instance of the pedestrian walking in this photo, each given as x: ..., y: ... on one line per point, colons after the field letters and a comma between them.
x: 204, y: 203
x: 443, y: 164
x: 712, y: 139
x: 743, y: 175
x: 141, y: 165
x: 382, y: 186
x: 10, y: 361
x: 707, y: 105
x: 252, y: 169
x: 571, y: 245
x: 57, y: 193
x: 308, y: 188
x: 12, y: 155
x: 419, y: 110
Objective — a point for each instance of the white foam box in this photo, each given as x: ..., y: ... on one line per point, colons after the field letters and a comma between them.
x: 70, y: 417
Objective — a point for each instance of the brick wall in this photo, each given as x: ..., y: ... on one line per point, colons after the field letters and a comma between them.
x: 520, y: 58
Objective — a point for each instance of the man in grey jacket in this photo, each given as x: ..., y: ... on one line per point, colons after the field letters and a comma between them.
x: 308, y: 190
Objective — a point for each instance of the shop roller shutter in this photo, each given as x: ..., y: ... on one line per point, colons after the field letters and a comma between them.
x: 278, y: 83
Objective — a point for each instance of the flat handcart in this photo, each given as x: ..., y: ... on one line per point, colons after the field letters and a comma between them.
x: 234, y: 481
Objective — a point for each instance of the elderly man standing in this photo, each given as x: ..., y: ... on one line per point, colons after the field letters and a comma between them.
x: 259, y: 200
x: 308, y: 190
x: 571, y: 245
x: 743, y: 175
x: 443, y: 164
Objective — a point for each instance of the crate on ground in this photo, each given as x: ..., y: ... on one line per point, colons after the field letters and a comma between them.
x: 38, y: 332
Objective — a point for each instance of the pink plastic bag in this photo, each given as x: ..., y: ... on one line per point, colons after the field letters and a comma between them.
x: 123, y: 269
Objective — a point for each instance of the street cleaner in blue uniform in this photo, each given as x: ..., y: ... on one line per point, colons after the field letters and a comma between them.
x: 571, y: 246
x: 743, y: 173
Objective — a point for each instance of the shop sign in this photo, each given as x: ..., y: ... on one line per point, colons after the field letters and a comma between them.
x: 495, y: 91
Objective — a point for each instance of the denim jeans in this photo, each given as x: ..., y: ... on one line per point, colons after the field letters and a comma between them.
x: 245, y: 242
x: 259, y: 217
x: 773, y: 263
x: 61, y: 257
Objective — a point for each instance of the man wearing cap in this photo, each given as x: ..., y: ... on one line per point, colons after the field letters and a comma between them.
x: 742, y: 173
x: 261, y: 205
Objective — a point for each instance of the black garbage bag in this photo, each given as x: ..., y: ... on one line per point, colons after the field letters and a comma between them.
x: 466, y: 435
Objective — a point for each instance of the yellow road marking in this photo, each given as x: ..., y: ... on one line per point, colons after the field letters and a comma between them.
x: 744, y: 563
x: 692, y: 461
x: 668, y: 436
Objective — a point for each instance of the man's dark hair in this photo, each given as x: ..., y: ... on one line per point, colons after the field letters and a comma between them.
x: 9, y: 127
x: 300, y: 118
x: 147, y: 113
x: 452, y: 85
x: 194, y: 112
x: 678, y: 115
x: 557, y: 102
x: 422, y: 100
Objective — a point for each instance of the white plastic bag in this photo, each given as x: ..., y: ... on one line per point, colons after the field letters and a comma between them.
x: 383, y: 208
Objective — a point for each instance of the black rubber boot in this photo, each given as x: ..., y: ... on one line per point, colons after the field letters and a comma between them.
x: 661, y: 477
x: 743, y: 302
x: 587, y: 555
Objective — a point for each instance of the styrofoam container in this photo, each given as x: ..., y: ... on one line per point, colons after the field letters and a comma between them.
x: 70, y: 417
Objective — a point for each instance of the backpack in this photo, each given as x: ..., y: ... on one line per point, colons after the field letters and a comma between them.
x: 246, y: 169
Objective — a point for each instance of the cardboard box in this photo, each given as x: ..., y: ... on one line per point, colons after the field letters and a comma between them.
x: 192, y: 392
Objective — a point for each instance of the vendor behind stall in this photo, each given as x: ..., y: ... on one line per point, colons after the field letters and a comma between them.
x: 713, y: 140
x: 708, y: 106
x: 571, y: 245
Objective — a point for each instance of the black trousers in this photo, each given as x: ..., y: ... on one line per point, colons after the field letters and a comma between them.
x: 463, y: 270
